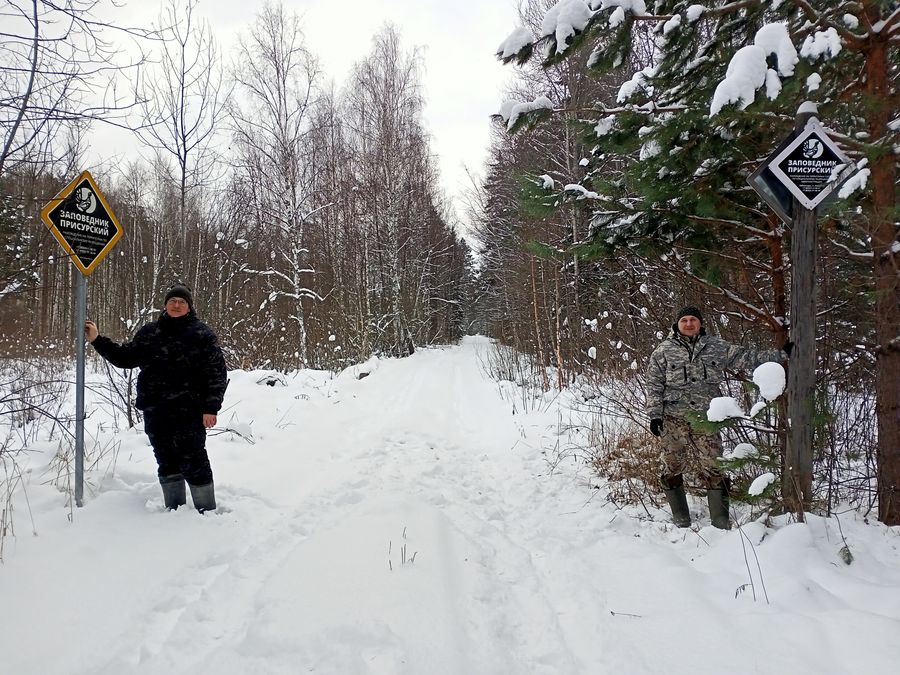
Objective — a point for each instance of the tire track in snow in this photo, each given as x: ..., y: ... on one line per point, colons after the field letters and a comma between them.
x: 462, y: 468
x: 211, y: 605
x: 458, y: 467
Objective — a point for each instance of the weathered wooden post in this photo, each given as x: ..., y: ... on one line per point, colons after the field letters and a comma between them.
x: 796, y: 486
x: 805, y: 170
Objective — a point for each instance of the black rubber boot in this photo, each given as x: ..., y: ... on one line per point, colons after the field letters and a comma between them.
x: 173, y: 491
x: 718, y: 507
x: 204, y: 497
x: 674, y: 489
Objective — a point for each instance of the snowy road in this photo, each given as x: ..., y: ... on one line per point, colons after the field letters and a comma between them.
x: 508, y: 568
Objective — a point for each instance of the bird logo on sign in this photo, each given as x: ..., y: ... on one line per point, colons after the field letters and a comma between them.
x: 812, y: 148
x: 85, y: 201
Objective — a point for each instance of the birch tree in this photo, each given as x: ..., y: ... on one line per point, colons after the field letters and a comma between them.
x: 182, y: 100
x: 275, y: 85
x: 384, y: 103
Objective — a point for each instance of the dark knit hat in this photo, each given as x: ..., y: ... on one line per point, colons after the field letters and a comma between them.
x: 180, y: 291
x: 690, y: 310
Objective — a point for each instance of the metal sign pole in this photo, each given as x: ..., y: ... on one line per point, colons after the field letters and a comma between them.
x: 80, y: 317
x: 84, y: 224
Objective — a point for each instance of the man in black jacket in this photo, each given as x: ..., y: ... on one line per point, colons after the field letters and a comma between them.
x: 180, y: 390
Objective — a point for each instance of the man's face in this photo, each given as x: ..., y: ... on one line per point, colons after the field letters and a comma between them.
x: 689, y: 325
x: 176, y: 307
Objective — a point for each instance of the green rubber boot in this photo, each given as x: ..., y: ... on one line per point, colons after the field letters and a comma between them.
x: 674, y: 490
x: 204, y: 497
x: 718, y: 507
x: 174, y: 494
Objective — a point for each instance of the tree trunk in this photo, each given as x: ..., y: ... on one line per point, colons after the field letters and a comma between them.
x: 887, y: 290
x: 557, y: 301
x: 537, y: 329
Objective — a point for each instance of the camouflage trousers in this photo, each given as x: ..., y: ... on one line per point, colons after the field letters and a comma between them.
x: 686, y: 450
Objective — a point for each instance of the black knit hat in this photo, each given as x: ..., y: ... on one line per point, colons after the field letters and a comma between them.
x: 690, y: 310
x: 180, y: 291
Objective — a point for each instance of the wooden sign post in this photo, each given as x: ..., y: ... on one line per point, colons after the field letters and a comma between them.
x: 795, y: 180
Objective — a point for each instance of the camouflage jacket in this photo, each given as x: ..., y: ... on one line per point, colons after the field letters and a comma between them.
x: 686, y: 375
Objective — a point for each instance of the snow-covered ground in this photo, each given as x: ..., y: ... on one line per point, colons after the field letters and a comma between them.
x: 509, y: 567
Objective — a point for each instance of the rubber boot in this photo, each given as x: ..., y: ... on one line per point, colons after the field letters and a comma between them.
x: 674, y: 489
x: 204, y: 497
x: 718, y: 507
x: 173, y: 491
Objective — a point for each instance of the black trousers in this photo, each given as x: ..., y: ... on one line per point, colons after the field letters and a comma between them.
x: 179, y: 444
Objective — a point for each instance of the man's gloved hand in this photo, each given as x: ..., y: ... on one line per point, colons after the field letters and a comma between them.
x: 788, y: 348
x: 656, y: 426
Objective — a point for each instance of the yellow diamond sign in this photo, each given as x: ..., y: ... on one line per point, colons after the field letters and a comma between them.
x: 83, y: 222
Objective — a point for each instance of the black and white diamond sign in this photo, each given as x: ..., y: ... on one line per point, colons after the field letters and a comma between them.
x: 83, y: 222
x: 812, y: 166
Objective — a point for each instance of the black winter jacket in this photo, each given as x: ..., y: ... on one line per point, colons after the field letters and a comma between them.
x: 182, y: 366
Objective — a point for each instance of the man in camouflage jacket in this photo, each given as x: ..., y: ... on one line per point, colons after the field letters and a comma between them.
x: 180, y: 390
x: 685, y: 373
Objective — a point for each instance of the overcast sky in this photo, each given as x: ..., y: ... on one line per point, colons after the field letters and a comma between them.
x: 458, y: 38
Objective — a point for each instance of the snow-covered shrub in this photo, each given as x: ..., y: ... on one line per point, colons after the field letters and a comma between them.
x: 32, y: 393
x: 751, y: 445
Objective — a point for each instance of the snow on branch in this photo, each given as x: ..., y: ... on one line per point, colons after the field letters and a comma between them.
x: 774, y: 38
x: 11, y: 288
x: 266, y: 273
x: 565, y: 20
x: 892, y: 23
x: 821, y: 43
x: 580, y: 192
x: 638, y: 82
x: 746, y: 73
x: 694, y: 12
x: 748, y: 70
x: 770, y: 379
x: 605, y: 125
x: 299, y: 295
x: 864, y: 255
x: 636, y: 7
x: 510, y: 111
x: 723, y: 408
x: 518, y: 40
x: 856, y: 182
x: 760, y: 483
